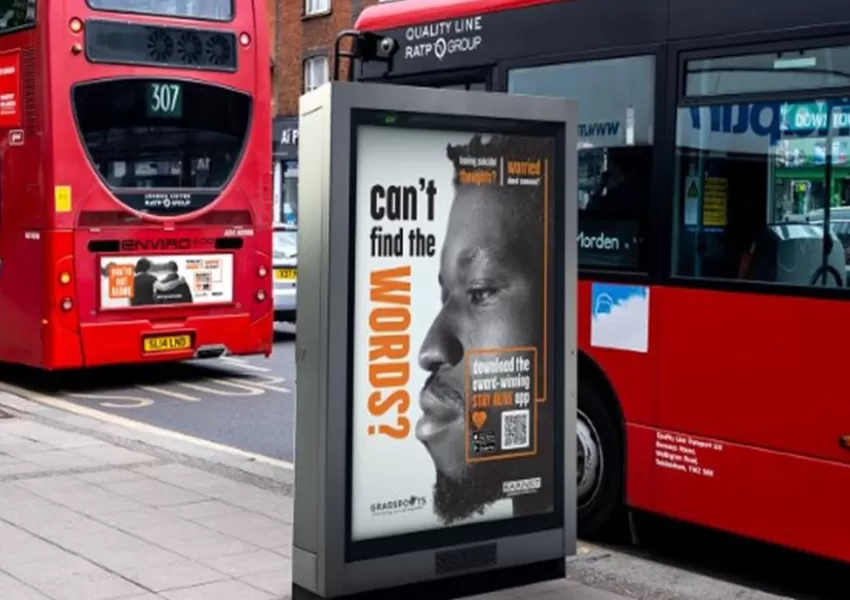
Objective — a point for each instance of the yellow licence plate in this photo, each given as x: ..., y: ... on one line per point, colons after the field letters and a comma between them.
x: 167, y: 343
x: 285, y: 274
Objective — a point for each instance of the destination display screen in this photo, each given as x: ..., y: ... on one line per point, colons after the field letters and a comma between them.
x: 164, y: 99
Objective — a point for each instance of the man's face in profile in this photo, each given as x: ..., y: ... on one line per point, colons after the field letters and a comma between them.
x: 491, y: 273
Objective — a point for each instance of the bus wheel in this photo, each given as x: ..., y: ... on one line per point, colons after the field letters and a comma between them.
x: 599, y: 472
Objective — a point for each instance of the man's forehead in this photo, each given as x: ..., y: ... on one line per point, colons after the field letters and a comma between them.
x: 477, y: 246
x: 471, y: 206
x: 478, y: 193
x: 467, y: 253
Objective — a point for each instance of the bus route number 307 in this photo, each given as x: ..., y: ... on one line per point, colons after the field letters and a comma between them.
x: 164, y: 100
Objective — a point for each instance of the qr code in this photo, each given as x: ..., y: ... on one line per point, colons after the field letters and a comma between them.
x: 515, y: 429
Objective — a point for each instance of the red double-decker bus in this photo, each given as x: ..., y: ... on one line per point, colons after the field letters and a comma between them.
x: 135, y: 181
x: 714, y: 192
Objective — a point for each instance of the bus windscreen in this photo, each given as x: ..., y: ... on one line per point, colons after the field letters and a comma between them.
x: 216, y: 10
x: 145, y: 136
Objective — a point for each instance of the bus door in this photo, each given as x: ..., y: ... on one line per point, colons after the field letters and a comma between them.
x: 751, y: 349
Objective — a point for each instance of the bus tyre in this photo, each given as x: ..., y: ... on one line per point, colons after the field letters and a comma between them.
x: 599, y: 454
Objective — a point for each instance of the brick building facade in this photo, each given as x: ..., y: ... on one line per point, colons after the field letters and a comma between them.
x: 302, y: 35
x: 304, y: 39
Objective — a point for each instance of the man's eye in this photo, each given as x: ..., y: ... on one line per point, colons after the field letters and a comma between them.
x: 479, y: 295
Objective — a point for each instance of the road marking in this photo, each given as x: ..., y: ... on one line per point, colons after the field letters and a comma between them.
x: 258, y: 387
x: 241, y: 363
x: 269, y: 384
x: 166, y: 392
x: 247, y: 390
x: 135, y: 400
x: 142, y: 427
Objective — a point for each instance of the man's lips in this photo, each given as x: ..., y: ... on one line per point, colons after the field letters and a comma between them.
x: 441, y: 405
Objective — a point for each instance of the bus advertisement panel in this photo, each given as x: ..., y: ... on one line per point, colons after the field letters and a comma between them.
x: 165, y: 279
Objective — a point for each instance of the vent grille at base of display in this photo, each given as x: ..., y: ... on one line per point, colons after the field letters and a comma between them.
x: 465, y: 559
x: 136, y: 44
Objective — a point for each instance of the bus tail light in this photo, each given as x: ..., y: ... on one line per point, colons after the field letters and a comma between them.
x: 262, y: 271
x: 244, y: 39
x: 65, y: 278
x: 261, y: 295
x: 67, y: 304
x: 75, y: 25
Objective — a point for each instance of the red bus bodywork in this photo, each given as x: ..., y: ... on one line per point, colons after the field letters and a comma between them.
x: 80, y: 205
x: 745, y: 378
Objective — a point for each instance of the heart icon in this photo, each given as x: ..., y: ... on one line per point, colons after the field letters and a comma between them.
x: 479, y: 417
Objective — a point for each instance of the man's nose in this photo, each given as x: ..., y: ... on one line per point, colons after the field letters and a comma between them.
x: 441, y: 348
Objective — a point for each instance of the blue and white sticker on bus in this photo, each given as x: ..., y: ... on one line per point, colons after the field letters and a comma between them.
x: 619, y: 317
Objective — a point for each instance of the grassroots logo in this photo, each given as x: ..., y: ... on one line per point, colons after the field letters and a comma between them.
x: 401, y: 505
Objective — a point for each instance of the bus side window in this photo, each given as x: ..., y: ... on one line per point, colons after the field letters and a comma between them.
x: 754, y: 179
x: 721, y: 211
x: 616, y: 103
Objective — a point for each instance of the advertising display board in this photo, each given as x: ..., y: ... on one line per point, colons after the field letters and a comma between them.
x: 436, y: 361
x: 161, y: 279
x: 451, y: 328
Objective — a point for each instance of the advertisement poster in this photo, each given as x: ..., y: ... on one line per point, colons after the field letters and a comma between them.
x: 10, y: 86
x: 452, y: 415
x: 127, y: 281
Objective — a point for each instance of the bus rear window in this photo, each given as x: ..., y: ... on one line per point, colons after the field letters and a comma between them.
x: 163, y: 146
x: 217, y: 10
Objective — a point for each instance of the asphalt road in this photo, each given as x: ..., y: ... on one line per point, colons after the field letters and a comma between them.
x: 247, y: 403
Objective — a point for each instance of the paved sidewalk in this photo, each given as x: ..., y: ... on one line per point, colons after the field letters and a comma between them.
x: 83, y: 519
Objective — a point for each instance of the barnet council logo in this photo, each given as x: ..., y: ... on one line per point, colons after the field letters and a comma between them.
x: 402, y: 505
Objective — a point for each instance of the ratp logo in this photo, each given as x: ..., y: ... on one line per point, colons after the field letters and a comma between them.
x: 443, y: 46
x: 440, y: 48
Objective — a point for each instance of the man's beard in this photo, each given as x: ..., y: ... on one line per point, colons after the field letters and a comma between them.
x: 455, y: 500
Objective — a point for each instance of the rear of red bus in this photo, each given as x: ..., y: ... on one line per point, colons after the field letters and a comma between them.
x: 136, y: 209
